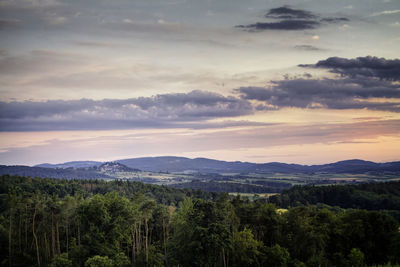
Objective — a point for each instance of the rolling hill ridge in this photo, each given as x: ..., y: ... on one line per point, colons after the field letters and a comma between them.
x: 204, y: 165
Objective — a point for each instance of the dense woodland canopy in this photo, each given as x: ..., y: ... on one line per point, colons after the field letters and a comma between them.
x: 49, y: 222
x: 374, y: 196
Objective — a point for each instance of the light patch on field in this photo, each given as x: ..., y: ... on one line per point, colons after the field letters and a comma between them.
x: 281, y: 211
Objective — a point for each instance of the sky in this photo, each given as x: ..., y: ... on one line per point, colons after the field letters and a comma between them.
x: 305, y: 81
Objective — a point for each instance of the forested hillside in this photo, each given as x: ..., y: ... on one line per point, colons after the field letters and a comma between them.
x: 46, y: 222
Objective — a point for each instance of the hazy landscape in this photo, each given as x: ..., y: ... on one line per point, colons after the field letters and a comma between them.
x: 180, y: 133
x: 216, y: 176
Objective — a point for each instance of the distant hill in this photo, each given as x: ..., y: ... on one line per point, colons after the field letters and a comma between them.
x: 204, y: 165
x: 180, y: 164
x: 71, y: 170
x: 114, y: 167
x: 67, y: 173
x: 71, y: 164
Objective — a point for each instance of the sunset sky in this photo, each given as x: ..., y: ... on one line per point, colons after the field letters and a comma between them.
x: 304, y: 81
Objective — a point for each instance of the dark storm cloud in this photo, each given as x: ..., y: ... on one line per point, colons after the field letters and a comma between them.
x: 285, y: 12
x: 289, y: 19
x: 348, y: 93
x: 362, y: 67
x: 167, y: 110
x: 289, y: 25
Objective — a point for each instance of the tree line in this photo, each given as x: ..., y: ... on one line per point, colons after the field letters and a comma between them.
x: 48, y: 222
x: 369, y: 196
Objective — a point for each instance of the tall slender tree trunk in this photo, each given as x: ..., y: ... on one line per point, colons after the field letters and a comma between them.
x: 35, y: 236
x: 150, y: 236
x: 165, y: 240
x: 26, y: 226
x: 10, y: 238
x: 53, y: 238
x: 47, y: 246
x: 79, y: 234
x: 138, y: 236
x: 67, y: 235
x: 19, y: 233
x: 133, y: 230
x: 223, y: 257
x: 58, y: 239
x: 165, y: 235
x: 146, y: 244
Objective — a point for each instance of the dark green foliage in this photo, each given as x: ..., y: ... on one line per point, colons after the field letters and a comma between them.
x: 99, y: 261
x: 62, y: 187
x: 275, y: 256
x: 202, y: 233
x: 45, y: 222
x: 246, y: 250
x: 356, y: 258
x: 61, y: 261
x: 375, y: 196
x: 228, y: 187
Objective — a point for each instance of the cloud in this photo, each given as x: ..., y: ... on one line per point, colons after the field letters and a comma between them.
x: 39, y: 62
x: 285, y: 12
x: 334, y: 20
x: 160, y: 111
x: 54, y: 19
x: 94, y: 44
x: 28, y: 3
x: 308, y: 48
x: 289, y: 19
x: 38, y: 13
x: 8, y: 23
x: 223, y: 124
x: 386, y: 12
x: 345, y: 93
x: 364, y: 83
x: 369, y: 66
x: 291, y: 25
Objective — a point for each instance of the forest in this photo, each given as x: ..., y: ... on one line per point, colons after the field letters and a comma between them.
x: 370, y: 196
x: 56, y: 222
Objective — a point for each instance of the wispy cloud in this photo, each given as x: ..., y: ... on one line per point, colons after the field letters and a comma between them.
x: 308, y: 48
x: 335, y: 19
x: 28, y: 3
x: 386, y: 12
x: 202, y: 142
x: 9, y: 23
